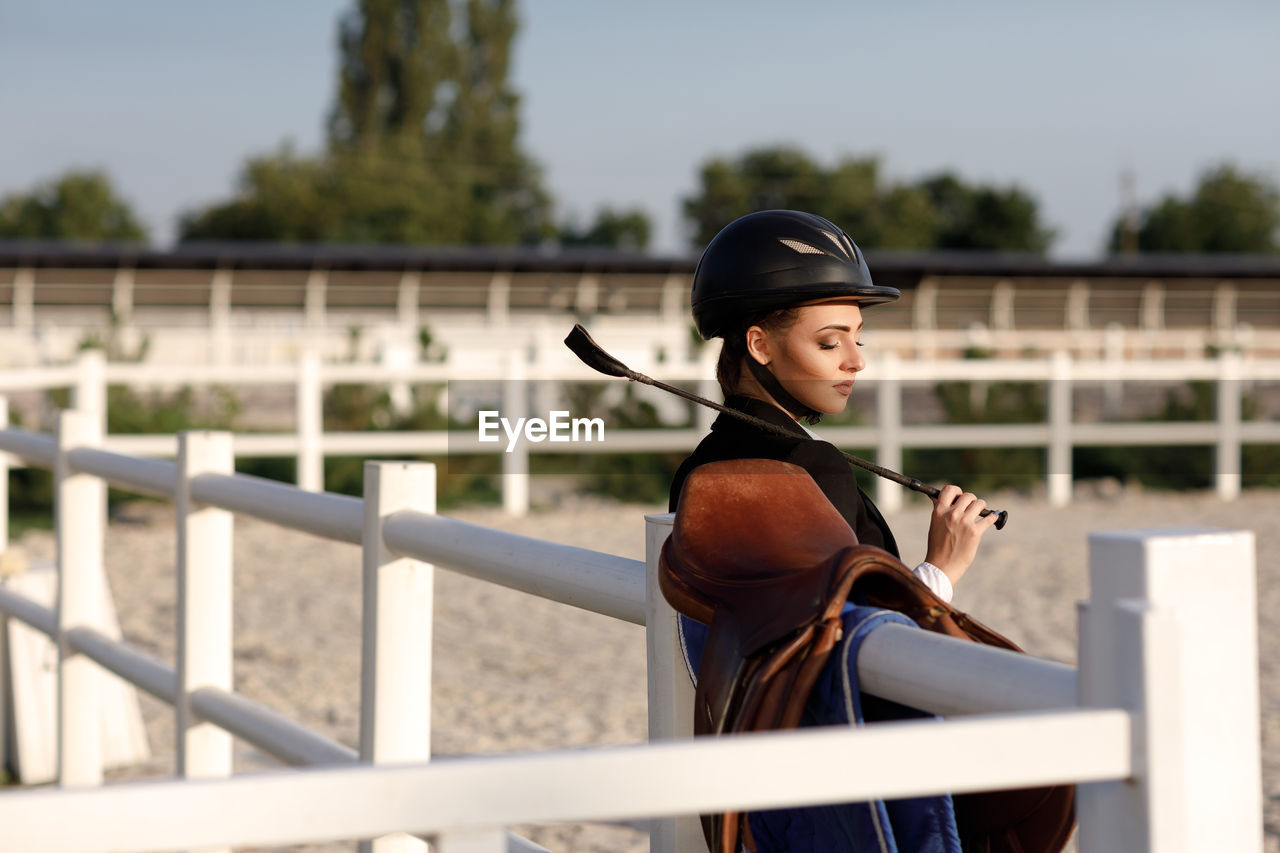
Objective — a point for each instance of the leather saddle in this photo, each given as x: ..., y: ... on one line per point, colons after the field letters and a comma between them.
x: 760, y: 555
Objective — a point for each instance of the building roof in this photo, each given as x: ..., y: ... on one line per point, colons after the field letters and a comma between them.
x: 892, y: 267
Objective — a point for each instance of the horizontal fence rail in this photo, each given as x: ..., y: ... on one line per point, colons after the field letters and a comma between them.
x: 148, y: 476
x: 951, y: 676
x: 32, y: 613
x: 273, y: 733
x: 337, y: 517
x: 618, y: 783
x: 613, y: 586
x: 31, y: 447
x: 135, y: 667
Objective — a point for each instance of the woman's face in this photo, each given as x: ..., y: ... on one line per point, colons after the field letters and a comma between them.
x: 817, y: 357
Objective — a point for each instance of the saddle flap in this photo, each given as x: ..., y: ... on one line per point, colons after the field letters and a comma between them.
x: 749, y: 528
x: 745, y: 518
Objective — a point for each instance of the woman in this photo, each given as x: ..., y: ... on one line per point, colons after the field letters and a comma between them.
x: 785, y: 290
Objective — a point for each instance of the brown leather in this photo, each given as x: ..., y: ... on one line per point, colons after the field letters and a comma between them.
x: 761, y: 556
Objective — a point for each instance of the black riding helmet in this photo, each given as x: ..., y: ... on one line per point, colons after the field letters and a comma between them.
x: 770, y: 260
x: 775, y: 259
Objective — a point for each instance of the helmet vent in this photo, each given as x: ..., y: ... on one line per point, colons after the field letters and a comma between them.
x: 844, y: 245
x: 802, y: 248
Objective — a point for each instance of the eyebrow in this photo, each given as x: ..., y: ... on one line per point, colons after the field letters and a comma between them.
x: 840, y: 327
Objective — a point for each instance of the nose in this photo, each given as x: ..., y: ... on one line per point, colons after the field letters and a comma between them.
x: 854, y: 361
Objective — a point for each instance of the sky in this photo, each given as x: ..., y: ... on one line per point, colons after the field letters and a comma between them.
x: 621, y: 103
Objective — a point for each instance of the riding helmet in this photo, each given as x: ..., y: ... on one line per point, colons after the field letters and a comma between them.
x: 773, y: 259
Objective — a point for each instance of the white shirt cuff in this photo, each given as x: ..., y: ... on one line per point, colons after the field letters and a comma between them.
x: 935, y: 579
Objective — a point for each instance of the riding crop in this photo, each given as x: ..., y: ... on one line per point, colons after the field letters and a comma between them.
x: 593, y: 356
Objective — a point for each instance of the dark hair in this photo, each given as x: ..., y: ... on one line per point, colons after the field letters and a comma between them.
x: 734, y: 348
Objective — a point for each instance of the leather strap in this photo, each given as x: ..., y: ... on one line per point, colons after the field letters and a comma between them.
x: 771, y: 384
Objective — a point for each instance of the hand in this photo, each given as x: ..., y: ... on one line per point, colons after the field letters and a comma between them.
x: 955, y: 530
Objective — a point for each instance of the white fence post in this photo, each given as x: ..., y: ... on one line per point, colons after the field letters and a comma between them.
x: 1228, y: 450
x: 4, y: 485
x: 925, y: 317
x: 1113, y: 352
x: 90, y: 392
x: 314, y: 301
x: 515, y: 464
x: 24, y: 301
x: 80, y: 518
x: 398, y: 356
x: 1059, y: 473
x: 889, y: 421
x: 407, y: 301
x: 499, y: 302
x: 670, y: 689
x: 395, y: 677
x: 310, y: 417
x: 489, y: 840
x: 220, y: 334
x: 1170, y: 633
x: 204, y: 654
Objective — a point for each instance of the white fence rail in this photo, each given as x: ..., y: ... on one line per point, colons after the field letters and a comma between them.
x: 890, y: 435
x: 1159, y: 724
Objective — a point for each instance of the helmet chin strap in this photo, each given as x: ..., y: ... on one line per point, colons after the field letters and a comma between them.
x: 770, y: 383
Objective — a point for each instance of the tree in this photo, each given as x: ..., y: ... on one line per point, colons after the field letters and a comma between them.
x: 507, y: 201
x: 1229, y: 211
x: 619, y: 229
x: 279, y: 196
x: 79, y: 205
x: 909, y: 219
x: 939, y: 211
x: 851, y: 194
x: 396, y: 56
x: 761, y: 179
x: 983, y: 217
x: 423, y: 141
x: 342, y: 198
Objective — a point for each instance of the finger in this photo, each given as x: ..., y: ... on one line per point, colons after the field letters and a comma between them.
x: 988, y: 521
x: 963, y: 502
x: 973, y: 509
x: 947, y: 495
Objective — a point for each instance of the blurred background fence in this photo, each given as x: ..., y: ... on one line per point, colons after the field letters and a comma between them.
x: 994, y: 369
x: 516, y: 380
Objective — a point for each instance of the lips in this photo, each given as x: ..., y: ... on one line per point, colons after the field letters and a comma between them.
x: 845, y: 388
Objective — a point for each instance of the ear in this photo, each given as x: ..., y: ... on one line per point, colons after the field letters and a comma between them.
x: 759, y: 345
